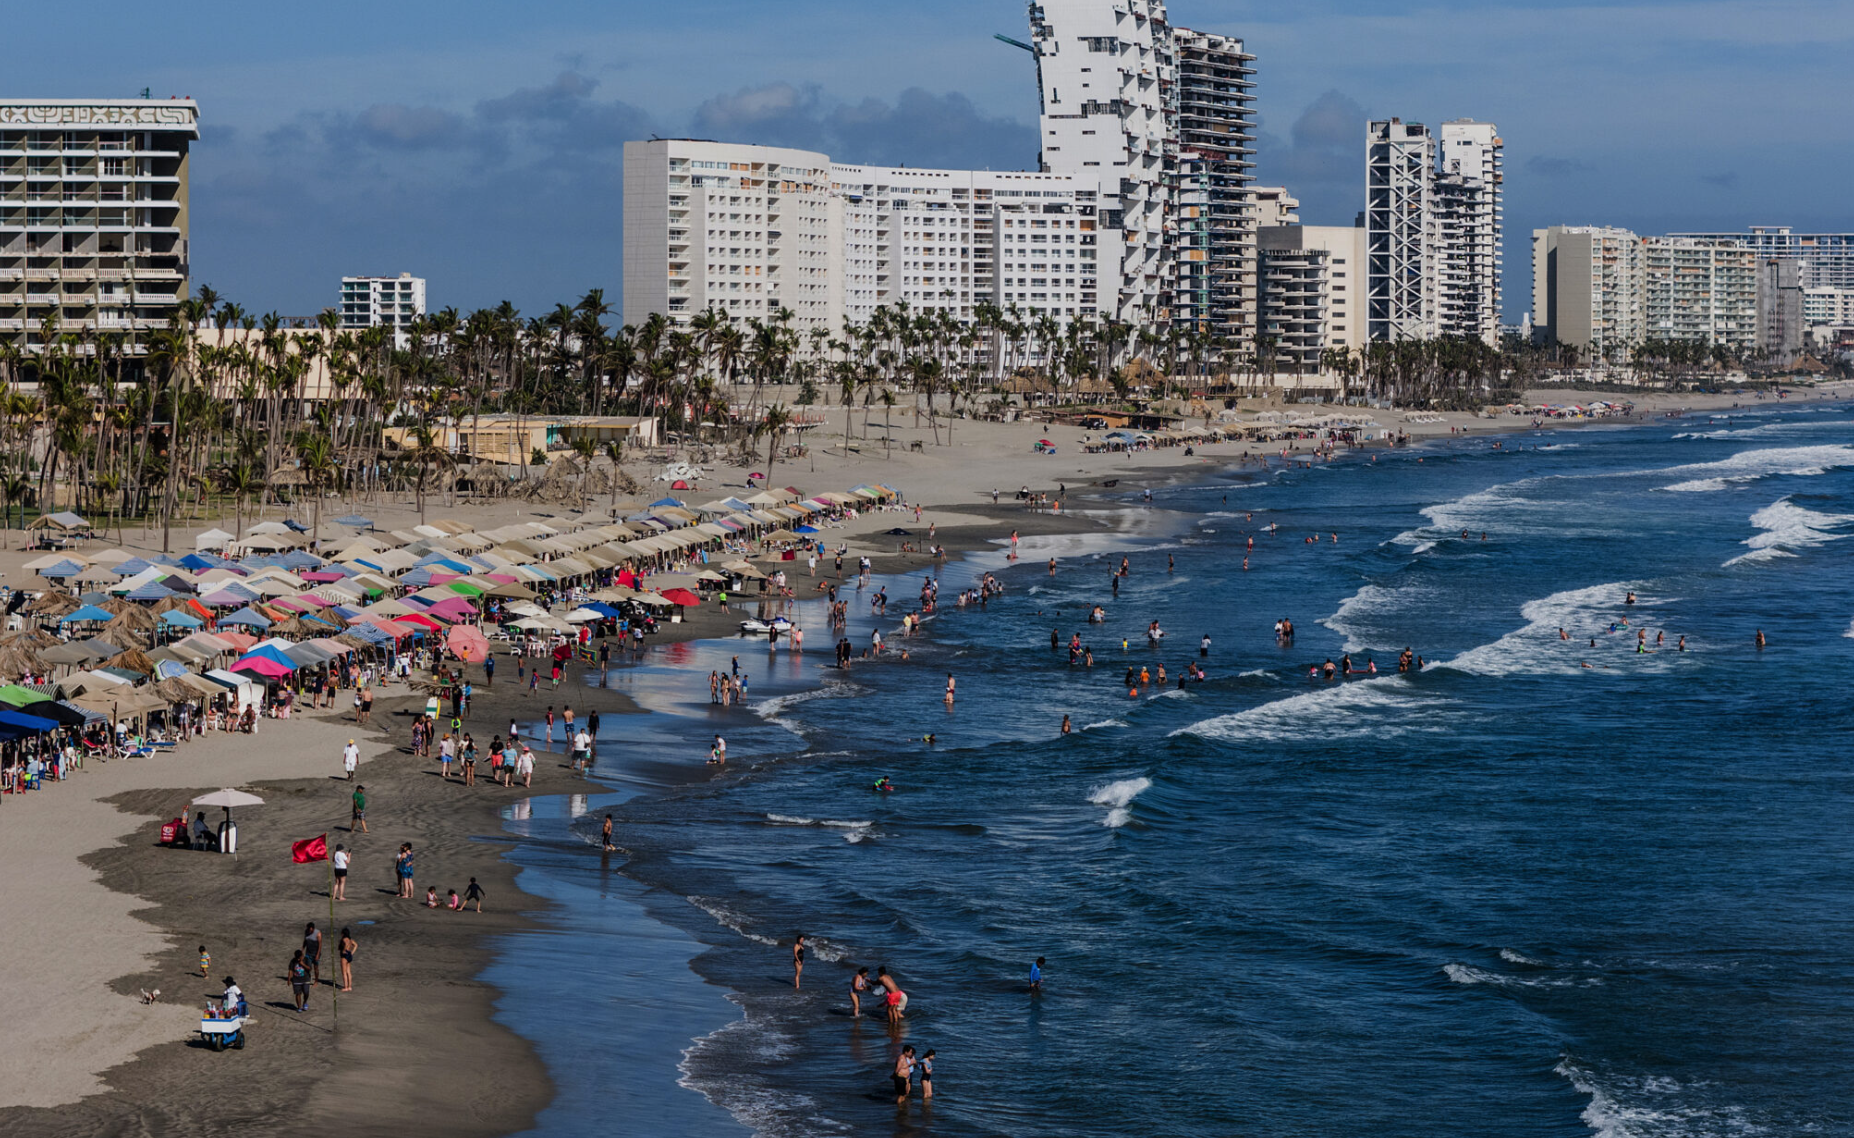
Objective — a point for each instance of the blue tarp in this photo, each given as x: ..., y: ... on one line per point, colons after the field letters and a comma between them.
x: 356, y: 521
x: 132, y: 566
x: 665, y: 502
x: 32, y: 724
x: 177, y: 618
x: 415, y: 578
x: 62, y: 569
x: 151, y: 591
x: 87, y: 613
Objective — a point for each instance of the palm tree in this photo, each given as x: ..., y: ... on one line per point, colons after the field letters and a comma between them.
x: 315, y: 457
x: 778, y: 418
x: 239, y: 479
x: 425, y: 457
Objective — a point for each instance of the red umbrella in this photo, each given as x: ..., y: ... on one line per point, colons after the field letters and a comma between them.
x: 682, y: 597
x: 469, y: 643
x: 679, y: 484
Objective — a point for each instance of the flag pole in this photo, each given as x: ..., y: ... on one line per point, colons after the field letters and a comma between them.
x: 336, y: 994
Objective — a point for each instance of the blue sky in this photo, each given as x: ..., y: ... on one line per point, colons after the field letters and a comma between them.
x: 478, y: 144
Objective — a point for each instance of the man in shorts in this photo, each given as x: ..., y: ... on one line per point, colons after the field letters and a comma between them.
x: 339, y: 860
x: 359, y: 821
x: 904, y: 1073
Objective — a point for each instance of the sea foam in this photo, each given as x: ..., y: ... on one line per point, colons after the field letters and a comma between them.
x: 1118, y: 798
x: 1360, y: 709
x: 1751, y: 465
x: 1788, y: 529
x: 1537, y: 649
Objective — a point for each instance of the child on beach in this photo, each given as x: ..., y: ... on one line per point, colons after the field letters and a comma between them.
x: 453, y: 904
x: 474, y: 892
x: 926, y: 1070
x: 205, y: 962
x: 431, y: 896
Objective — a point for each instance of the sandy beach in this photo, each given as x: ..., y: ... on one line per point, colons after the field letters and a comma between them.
x: 105, y: 913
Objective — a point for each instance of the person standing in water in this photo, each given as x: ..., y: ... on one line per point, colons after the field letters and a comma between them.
x: 1036, y: 977
x: 903, y: 1076
x: 950, y: 684
x: 859, y: 984
x: 798, y: 959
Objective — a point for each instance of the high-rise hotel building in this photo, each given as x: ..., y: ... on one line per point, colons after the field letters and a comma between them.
x: 1434, y: 215
x: 93, y: 216
x: 1138, y: 210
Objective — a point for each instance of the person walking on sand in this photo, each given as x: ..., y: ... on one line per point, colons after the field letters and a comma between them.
x: 339, y: 863
x: 312, y: 951
x: 798, y: 958
x: 359, y: 819
x: 550, y: 726
x: 299, y: 981
x: 350, y: 759
x: 347, y: 946
x: 473, y: 894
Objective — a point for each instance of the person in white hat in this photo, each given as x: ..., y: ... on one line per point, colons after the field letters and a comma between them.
x: 350, y: 759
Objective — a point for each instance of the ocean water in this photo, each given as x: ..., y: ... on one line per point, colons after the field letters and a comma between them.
x: 1548, y: 886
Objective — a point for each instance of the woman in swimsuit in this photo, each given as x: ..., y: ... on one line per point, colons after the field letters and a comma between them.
x: 798, y: 959
x: 348, y: 945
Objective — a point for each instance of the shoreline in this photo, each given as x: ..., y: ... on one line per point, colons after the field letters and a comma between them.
x: 147, y: 1081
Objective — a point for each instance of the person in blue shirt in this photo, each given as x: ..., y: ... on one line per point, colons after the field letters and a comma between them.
x: 1036, y: 977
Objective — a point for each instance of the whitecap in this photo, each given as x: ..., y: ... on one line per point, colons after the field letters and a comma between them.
x: 1106, y: 723
x: 1118, y: 798
x: 730, y: 919
x: 1647, y: 1106
x: 1359, y: 616
x: 1787, y: 529
x: 1513, y: 956
x: 1751, y: 465
x: 1468, y: 974
x: 1360, y: 709
x: 1537, y: 649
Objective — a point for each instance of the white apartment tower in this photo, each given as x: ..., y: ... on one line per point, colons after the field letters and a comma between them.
x: 1699, y: 290
x: 1106, y: 73
x: 1214, y: 233
x: 93, y: 216
x: 1470, y: 208
x: 745, y: 230
x: 392, y: 302
x: 1400, y: 232
x: 1434, y: 217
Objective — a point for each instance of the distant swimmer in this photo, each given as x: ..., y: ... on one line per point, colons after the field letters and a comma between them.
x: 882, y: 785
x: 1563, y: 635
x: 950, y: 685
x: 1760, y: 638
x: 1052, y: 567
x: 1065, y: 725
x: 1630, y: 599
x: 1682, y: 646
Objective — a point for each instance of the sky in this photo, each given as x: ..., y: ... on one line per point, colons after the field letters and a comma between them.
x: 478, y: 143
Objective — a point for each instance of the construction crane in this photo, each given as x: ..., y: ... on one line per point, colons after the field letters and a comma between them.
x: 1013, y: 43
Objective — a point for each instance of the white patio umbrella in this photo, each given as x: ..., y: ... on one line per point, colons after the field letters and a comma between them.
x: 228, y: 798
x: 580, y: 616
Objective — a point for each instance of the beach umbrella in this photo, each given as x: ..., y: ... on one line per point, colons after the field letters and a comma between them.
x: 228, y: 798
x: 469, y: 643
x: 582, y: 615
x: 681, y: 597
x: 88, y: 614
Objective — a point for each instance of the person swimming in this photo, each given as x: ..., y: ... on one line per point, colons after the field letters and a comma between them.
x: 882, y: 785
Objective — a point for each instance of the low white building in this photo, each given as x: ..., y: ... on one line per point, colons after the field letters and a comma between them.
x: 751, y: 231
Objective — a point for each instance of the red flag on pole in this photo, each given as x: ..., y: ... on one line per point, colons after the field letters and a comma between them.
x: 315, y: 849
